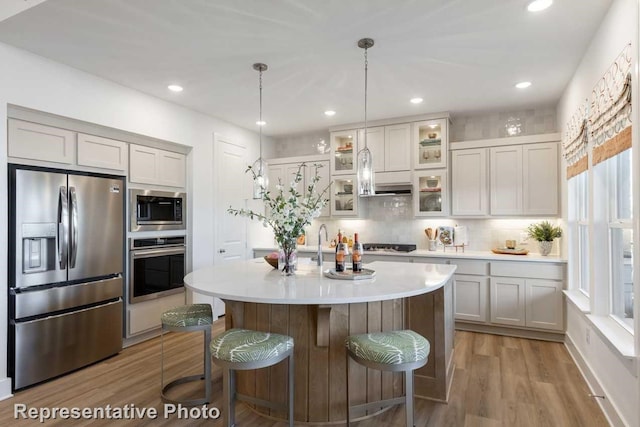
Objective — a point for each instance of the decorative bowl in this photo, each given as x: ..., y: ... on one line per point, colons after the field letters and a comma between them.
x: 273, y: 262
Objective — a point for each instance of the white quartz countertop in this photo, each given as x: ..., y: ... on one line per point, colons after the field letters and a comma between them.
x: 256, y: 281
x: 450, y: 253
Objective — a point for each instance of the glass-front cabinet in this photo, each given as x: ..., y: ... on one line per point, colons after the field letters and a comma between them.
x: 344, y: 196
x: 344, y: 152
x: 431, y: 143
x: 430, y: 193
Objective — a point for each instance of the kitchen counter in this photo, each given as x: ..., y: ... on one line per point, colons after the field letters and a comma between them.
x: 319, y: 313
x: 450, y: 253
x: 256, y: 281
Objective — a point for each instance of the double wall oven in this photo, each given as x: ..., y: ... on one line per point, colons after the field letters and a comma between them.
x: 156, y: 267
x: 156, y: 263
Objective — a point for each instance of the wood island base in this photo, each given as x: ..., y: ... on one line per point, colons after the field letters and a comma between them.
x: 319, y: 332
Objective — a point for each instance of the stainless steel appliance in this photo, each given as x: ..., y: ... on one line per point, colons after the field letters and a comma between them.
x: 66, y: 253
x: 156, y: 267
x: 157, y: 210
x: 389, y: 247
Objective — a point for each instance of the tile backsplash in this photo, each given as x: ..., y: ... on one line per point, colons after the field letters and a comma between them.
x: 390, y: 219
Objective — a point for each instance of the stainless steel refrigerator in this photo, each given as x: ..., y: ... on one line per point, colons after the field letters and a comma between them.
x: 66, y: 252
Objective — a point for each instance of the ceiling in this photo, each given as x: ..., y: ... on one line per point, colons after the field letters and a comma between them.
x: 461, y: 56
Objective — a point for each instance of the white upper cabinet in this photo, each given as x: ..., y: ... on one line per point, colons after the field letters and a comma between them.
x: 375, y: 143
x: 344, y: 149
x: 397, y: 147
x: 522, y: 178
x: 540, y: 178
x: 172, y: 169
x: 101, y: 152
x: 469, y: 182
x: 430, y: 193
x: 506, y: 180
x: 158, y: 167
x: 390, y: 147
x: 28, y: 140
x: 430, y: 144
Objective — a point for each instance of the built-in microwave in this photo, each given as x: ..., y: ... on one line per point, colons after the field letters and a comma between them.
x: 157, y: 210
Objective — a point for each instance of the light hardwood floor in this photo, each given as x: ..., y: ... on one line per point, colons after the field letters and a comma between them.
x: 499, y: 381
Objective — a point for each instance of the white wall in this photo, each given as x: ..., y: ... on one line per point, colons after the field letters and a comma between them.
x: 31, y: 81
x: 619, y: 27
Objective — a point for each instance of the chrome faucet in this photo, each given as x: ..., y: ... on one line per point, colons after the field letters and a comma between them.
x: 326, y: 237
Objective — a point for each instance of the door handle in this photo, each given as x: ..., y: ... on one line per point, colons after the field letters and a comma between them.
x: 63, y: 227
x: 74, y: 227
x: 222, y: 251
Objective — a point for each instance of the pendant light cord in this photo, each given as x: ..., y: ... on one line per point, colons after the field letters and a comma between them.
x: 260, y: 122
x: 366, y: 68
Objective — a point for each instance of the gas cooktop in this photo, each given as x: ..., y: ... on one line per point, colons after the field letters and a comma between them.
x: 389, y: 247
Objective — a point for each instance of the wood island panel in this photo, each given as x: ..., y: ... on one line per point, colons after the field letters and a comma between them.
x: 320, y: 371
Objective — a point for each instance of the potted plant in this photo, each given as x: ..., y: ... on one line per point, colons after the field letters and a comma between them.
x: 544, y: 232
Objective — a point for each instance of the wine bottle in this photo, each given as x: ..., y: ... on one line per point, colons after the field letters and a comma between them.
x: 341, y: 254
x: 356, y: 254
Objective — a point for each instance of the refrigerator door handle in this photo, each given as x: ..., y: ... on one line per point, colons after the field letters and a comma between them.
x: 74, y: 227
x: 63, y: 227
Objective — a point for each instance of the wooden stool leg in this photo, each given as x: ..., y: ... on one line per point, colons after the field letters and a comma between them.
x: 291, y: 391
x: 409, y: 397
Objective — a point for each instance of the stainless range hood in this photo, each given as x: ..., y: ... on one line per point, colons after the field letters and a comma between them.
x: 393, y: 184
x: 392, y: 190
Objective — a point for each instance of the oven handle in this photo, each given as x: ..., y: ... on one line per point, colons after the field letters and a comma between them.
x: 148, y: 253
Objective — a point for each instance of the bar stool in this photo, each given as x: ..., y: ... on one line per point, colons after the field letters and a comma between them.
x: 393, y: 351
x: 244, y: 349
x: 188, y: 318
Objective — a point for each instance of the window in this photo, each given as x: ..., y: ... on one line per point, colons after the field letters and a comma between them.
x: 621, y: 238
x: 579, y: 229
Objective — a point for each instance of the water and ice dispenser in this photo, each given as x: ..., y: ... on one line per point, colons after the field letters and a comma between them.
x: 38, y: 247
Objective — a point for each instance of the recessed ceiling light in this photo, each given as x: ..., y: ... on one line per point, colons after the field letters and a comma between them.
x: 261, y: 123
x: 538, y: 5
x: 523, y: 85
x: 329, y: 113
x: 416, y: 100
x: 175, y: 88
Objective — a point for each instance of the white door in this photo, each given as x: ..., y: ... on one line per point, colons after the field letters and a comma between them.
x: 375, y: 143
x: 231, y: 231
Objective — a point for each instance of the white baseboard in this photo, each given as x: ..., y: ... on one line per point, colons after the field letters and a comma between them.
x: 509, y: 331
x: 5, y: 388
x: 596, y: 389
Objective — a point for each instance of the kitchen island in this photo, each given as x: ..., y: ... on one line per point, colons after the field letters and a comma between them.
x: 319, y: 313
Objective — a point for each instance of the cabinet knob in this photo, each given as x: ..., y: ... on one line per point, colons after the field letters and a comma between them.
x: 222, y: 251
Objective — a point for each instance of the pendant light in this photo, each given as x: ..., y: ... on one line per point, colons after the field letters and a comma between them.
x: 260, y: 179
x: 366, y: 184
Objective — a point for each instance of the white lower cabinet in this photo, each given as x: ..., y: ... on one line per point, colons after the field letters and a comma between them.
x: 533, y: 300
x: 507, y: 301
x: 471, y: 293
x: 544, y: 304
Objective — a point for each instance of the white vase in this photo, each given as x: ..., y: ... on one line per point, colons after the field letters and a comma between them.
x: 545, y: 247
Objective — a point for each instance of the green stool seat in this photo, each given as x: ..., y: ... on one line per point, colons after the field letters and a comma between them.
x: 390, y: 348
x: 188, y: 318
x: 187, y: 315
x: 243, y: 345
x: 394, y: 351
x: 243, y: 349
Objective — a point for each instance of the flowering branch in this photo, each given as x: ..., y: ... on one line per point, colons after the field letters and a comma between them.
x: 288, y: 211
